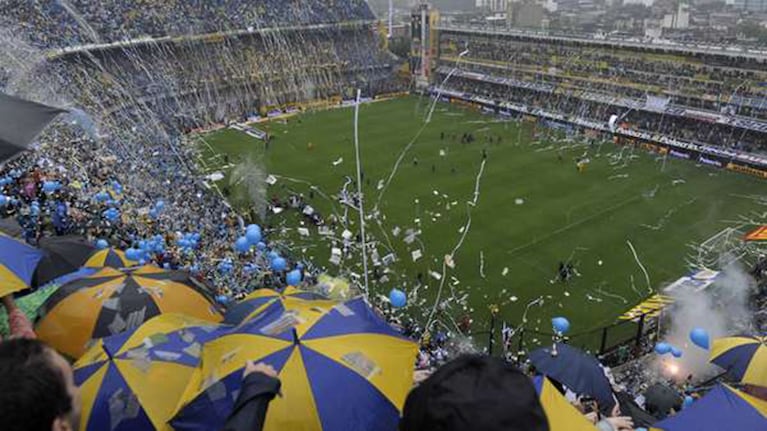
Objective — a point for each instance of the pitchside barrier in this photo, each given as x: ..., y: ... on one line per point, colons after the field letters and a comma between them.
x: 613, y: 344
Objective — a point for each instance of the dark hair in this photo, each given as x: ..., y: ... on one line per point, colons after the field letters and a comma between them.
x: 33, y: 392
x: 474, y: 393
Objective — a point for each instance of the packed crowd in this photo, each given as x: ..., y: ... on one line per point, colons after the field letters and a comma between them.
x: 574, y: 105
x: 79, y: 22
x: 707, y: 82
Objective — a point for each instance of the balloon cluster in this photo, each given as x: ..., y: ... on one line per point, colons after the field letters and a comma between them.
x: 188, y: 241
x: 51, y: 186
x: 102, y: 196
x: 225, y: 266
x: 664, y: 348
x: 157, y: 209
x: 34, y: 209
x: 111, y: 214
x: 252, y: 238
x: 4, y: 181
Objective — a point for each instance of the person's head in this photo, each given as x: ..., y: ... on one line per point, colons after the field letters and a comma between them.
x: 37, y: 389
x: 474, y: 393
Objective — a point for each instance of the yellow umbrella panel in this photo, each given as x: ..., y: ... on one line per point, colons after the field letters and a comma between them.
x: 341, y: 367
x: 744, y: 358
x: 17, y: 264
x: 110, y: 302
x: 258, y: 301
x: 561, y: 414
x: 111, y: 258
x: 133, y: 381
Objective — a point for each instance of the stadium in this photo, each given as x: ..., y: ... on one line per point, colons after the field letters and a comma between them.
x: 256, y: 215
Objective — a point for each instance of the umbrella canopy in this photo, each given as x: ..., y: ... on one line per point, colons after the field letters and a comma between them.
x: 581, y: 373
x: 61, y: 255
x: 630, y: 408
x: 133, y: 381
x: 341, y: 367
x: 561, y: 414
x: 110, y: 302
x: 11, y: 227
x: 260, y: 299
x: 20, y: 123
x: 722, y: 408
x: 109, y: 258
x: 660, y: 399
x: 17, y: 265
x: 744, y: 358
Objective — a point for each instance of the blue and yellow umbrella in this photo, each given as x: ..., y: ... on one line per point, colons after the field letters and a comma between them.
x: 744, y: 358
x: 261, y: 299
x: 722, y: 408
x: 17, y: 265
x: 341, y: 367
x: 133, y: 381
x: 109, y: 258
x: 561, y: 414
x: 113, y: 301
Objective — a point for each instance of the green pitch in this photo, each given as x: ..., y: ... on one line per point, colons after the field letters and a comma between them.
x: 533, y: 211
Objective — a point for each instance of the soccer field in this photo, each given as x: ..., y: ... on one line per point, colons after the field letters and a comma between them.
x: 534, y: 209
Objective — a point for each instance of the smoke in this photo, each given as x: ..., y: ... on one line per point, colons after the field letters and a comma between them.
x: 248, y: 179
x: 722, y: 310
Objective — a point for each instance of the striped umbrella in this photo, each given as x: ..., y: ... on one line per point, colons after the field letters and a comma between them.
x: 113, y: 301
x: 341, y: 367
x: 133, y: 381
x: 744, y: 358
x: 722, y: 408
x: 109, y: 257
x: 561, y: 414
x: 61, y: 255
x: 253, y: 304
x: 17, y: 265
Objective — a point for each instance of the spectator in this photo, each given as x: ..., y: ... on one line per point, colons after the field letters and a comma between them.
x: 37, y: 390
x: 474, y: 393
x: 260, y: 385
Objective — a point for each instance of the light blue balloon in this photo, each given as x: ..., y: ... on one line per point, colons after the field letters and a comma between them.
x: 294, y: 278
x: 273, y: 255
x: 132, y: 254
x: 160, y: 205
x: 662, y: 348
x: 253, y: 228
x: 260, y: 246
x: 700, y: 338
x: 102, y: 244
x: 397, y: 298
x: 242, y: 245
x: 688, y: 400
x: 3, y: 200
x: 253, y: 236
x: 560, y: 324
x: 279, y: 264
x: 676, y: 352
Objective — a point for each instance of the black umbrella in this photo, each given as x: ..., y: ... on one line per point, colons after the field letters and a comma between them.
x: 630, y: 408
x: 62, y: 255
x: 660, y: 399
x: 20, y: 123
